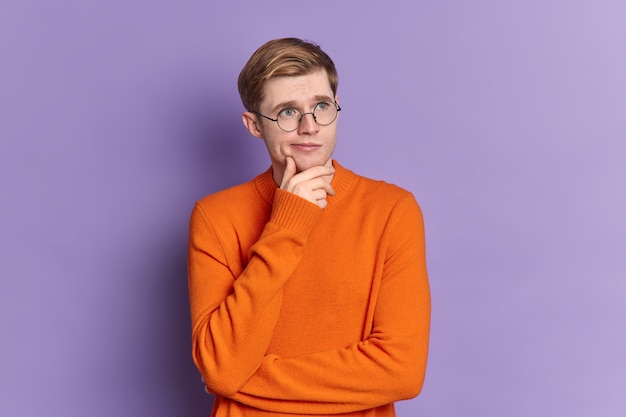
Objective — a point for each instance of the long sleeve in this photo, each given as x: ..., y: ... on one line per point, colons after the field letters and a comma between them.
x: 234, y: 310
x: 388, y: 365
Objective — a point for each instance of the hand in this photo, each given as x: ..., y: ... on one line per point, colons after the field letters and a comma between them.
x: 312, y: 184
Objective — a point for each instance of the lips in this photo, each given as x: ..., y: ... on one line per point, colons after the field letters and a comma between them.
x: 306, y: 147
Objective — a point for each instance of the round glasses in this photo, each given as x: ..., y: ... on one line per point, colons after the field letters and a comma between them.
x: 290, y: 118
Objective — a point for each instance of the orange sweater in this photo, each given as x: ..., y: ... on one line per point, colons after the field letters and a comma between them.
x: 301, y: 310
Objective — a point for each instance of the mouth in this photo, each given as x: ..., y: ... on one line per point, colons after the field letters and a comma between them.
x: 305, y: 147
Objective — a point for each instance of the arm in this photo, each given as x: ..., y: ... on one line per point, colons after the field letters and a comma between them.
x: 234, y: 312
x: 387, y: 366
x: 233, y: 316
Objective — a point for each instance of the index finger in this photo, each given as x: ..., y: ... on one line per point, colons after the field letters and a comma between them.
x: 314, y: 172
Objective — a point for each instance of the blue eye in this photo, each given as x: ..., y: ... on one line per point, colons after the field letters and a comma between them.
x: 288, y: 113
x: 322, y: 105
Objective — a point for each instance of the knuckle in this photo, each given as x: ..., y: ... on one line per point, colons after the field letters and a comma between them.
x: 297, y: 188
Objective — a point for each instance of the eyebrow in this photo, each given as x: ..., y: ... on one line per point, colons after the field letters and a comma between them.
x: 292, y: 103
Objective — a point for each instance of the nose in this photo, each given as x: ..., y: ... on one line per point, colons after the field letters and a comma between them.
x: 308, y: 124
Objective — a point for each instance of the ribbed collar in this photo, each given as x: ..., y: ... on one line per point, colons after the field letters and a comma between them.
x: 343, y: 181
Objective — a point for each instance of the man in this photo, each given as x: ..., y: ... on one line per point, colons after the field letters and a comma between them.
x: 308, y: 284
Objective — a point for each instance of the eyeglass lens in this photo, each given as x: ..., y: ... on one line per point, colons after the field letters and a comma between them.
x: 324, y: 113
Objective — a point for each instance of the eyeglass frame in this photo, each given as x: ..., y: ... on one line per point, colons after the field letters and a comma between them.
x: 312, y: 113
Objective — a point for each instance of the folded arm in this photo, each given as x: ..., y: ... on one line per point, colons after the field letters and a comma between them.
x: 389, y: 365
x: 233, y: 317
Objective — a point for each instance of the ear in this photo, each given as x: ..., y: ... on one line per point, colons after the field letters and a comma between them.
x: 252, y: 123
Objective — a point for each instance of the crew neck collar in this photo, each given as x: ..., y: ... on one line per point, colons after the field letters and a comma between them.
x: 342, y: 181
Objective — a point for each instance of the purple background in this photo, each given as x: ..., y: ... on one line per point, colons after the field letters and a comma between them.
x: 505, y: 119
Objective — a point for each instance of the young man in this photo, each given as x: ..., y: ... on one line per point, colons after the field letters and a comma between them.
x: 308, y: 285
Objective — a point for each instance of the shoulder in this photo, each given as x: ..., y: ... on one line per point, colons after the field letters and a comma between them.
x: 383, y: 187
x: 390, y: 199
x: 257, y: 190
x: 380, y: 191
x: 236, y: 205
x: 373, y: 198
x: 228, y: 196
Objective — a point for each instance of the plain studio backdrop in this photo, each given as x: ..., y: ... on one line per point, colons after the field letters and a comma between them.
x: 506, y: 119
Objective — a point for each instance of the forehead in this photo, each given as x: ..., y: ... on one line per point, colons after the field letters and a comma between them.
x: 298, y: 89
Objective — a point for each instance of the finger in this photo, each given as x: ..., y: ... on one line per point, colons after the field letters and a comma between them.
x: 289, y: 172
x: 320, y: 183
x: 314, y: 172
x: 319, y: 198
x: 318, y: 194
x: 302, y: 188
x: 312, y: 178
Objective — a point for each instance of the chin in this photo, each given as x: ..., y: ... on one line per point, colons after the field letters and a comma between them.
x: 302, y: 164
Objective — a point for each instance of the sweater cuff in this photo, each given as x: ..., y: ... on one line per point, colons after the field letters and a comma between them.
x: 294, y: 213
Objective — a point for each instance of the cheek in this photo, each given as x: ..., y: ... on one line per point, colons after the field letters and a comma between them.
x: 279, y: 144
x: 277, y: 149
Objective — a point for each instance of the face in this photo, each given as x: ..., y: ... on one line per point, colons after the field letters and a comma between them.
x: 311, y: 144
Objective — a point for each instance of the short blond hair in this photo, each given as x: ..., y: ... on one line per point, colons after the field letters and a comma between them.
x: 282, y: 57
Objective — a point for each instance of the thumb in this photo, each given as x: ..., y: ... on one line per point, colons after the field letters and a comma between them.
x: 289, y: 172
